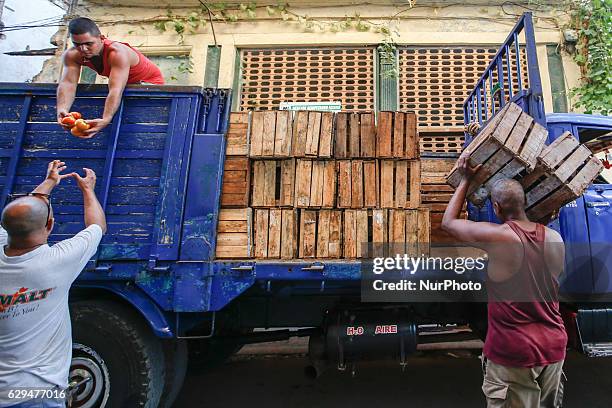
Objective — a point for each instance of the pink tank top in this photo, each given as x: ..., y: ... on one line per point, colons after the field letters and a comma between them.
x: 531, y: 333
x: 144, y: 71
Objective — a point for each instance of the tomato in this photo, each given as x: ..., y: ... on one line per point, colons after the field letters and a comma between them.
x: 68, y: 121
x: 81, y: 125
x: 76, y: 132
x: 76, y: 115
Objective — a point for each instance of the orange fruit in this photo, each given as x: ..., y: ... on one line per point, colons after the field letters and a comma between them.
x: 81, y: 125
x: 76, y: 115
x: 68, y: 121
x: 76, y: 132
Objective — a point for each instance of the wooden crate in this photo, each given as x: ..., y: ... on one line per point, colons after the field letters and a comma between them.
x: 436, y: 194
x: 270, y: 134
x: 273, y: 183
x: 409, y: 232
x: 234, y: 234
x: 358, y: 184
x: 400, y: 183
x: 355, y: 135
x: 315, y: 183
x: 275, y: 233
x: 237, y: 134
x: 236, y: 182
x: 565, y: 169
x: 329, y: 234
x: 397, y: 136
x: 507, y: 146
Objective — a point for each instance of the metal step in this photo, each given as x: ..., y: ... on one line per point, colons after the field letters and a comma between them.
x: 598, y: 349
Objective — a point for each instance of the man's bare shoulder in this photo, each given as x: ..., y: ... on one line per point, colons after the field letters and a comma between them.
x: 121, y: 54
x: 499, y: 232
x: 72, y: 55
x: 551, y: 235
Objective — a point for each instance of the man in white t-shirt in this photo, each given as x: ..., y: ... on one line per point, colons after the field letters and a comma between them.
x: 35, y: 331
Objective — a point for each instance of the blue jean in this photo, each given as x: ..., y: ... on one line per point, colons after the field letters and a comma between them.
x: 41, y: 403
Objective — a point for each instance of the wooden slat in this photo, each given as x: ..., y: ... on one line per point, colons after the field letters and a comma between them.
x: 558, y: 150
x: 236, y: 182
x: 323, y: 234
x: 380, y: 232
x: 412, y: 232
x: 412, y: 136
x: 270, y: 183
x: 232, y: 226
x: 397, y: 232
x: 300, y: 129
x: 329, y: 184
x: 261, y: 233
x: 399, y: 150
x: 287, y: 187
x: 519, y: 133
x: 308, y: 231
x: 326, y: 135
x: 259, y: 183
x: 357, y: 184
x: 257, y: 129
x: 303, y: 175
x: 282, y: 143
x: 313, y: 134
x: 344, y: 184
x: 269, y: 133
x: 383, y: 135
x: 361, y: 220
x: 414, y: 190
x: 350, y: 234
x: 424, y: 232
x: 354, y: 136
x: 386, y: 183
x: 234, y: 234
x: 316, y: 184
x: 289, y: 232
x: 274, y: 233
x: 370, y: 182
x: 401, y: 184
x: 368, y: 135
x: 335, y: 234
x: 341, y: 136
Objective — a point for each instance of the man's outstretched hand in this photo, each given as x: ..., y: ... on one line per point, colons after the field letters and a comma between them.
x: 54, y: 169
x: 96, y: 126
x: 87, y: 183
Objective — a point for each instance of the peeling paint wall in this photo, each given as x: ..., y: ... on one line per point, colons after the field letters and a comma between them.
x: 423, y: 25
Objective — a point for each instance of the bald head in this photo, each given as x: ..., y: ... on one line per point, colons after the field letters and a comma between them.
x: 509, y: 195
x: 24, y: 216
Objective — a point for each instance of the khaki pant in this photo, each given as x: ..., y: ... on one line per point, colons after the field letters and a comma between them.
x: 516, y: 387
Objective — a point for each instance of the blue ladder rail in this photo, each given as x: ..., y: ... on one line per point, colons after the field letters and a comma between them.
x: 480, y: 105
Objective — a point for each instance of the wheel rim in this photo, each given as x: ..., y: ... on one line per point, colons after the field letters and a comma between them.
x: 89, y: 368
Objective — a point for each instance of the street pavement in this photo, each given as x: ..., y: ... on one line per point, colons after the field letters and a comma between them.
x: 433, y: 379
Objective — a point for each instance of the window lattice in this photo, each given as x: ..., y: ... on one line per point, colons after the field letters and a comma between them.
x: 271, y: 76
x: 434, y: 82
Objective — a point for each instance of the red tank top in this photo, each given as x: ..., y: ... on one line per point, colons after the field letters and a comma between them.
x: 530, y: 333
x: 144, y: 71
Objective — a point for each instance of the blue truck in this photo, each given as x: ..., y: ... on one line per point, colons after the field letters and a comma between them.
x: 154, y: 299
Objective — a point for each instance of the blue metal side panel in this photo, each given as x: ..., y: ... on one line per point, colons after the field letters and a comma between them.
x: 598, y: 204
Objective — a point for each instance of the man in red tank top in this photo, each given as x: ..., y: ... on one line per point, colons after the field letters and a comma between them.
x: 121, y: 63
x: 525, y: 345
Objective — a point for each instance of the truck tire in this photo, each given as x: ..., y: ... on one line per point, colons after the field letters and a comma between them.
x: 115, y: 348
x: 175, y: 355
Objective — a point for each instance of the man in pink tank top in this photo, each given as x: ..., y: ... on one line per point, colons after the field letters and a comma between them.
x: 525, y: 345
x: 121, y: 63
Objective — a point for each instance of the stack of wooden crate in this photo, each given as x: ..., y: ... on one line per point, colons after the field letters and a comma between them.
x: 511, y: 145
x: 324, y: 183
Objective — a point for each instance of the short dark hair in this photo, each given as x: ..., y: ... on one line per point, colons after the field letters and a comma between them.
x: 82, y: 25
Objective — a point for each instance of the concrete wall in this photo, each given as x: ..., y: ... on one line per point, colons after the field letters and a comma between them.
x: 421, y: 25
x: 15, y: 12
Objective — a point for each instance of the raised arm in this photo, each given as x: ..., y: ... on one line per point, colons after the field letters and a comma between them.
x: 94, y: 214
x: 52, y: 178
x: 66, y: 89
x: 465, y: 231
x: 120, y: 70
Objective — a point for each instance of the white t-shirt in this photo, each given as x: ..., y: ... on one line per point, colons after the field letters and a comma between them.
x: 35, y: 331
